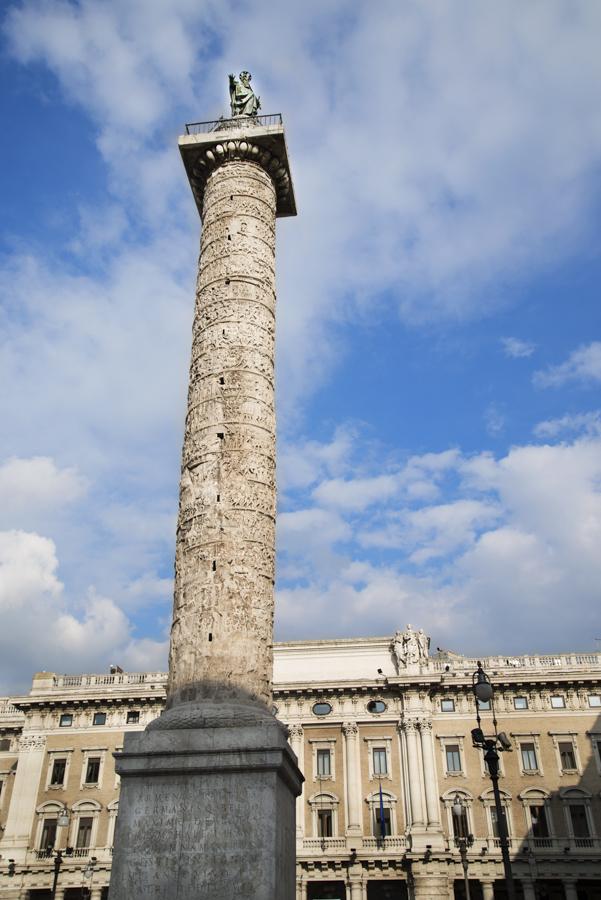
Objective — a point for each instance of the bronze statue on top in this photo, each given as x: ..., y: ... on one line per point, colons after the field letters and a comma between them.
x: 243, y: 100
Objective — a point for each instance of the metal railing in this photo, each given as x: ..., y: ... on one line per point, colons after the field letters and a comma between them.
x: 227, y: 124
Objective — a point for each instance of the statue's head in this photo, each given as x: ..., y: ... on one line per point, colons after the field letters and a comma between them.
x: 245, y: 77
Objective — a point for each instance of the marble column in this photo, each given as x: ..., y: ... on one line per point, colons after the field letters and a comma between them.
x: 208, y: 790
x: 356, y: 889
x: 354, y: 806
x: 488, y: 890
x: 21, y: 813
x: 430, y: 779
x: 415, y: 792
x: 528, y: 888
x: 569, y: 887
x: 297, y: 742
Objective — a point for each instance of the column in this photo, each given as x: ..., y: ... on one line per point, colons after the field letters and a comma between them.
x: 431, y: 887
x: 297, y: 735
x: 21, y: 812
x: 488, y: 890
x: 430, y: 779
x: 222, y: 631
x: 356, y: 889
x: 354, y: 809
x: 415, y: 794
x: 569, y: 887
x: 528, y: 888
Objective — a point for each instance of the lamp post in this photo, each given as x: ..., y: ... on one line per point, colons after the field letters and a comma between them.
x: 88, y: 872
x: 62, y: 821
x: 462, y: 841
x: 484, y: 692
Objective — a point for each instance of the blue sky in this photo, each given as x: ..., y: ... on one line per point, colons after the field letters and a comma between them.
x: 439, y: 350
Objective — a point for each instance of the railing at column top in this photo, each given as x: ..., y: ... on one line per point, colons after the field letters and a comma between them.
x: 238, y: 122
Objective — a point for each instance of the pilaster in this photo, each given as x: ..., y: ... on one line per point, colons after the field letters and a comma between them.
x: 21, y: 814
x: 354, y: 806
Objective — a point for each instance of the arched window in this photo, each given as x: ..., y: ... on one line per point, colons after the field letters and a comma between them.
x: 537, y: 811
x: 47, y: 830
x: 324, y: 814
x: 462, y: 825
x: 579, y: 819
x: 382, y: 815
x: 84, y: 826
x: 491, y: 812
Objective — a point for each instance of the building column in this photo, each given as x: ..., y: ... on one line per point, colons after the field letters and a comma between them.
x: 528, y: 888
x: 21, y: 812
x: 430, y: 779
x: 415, y: 794
x: 430, y: 887
x: 356, y: 889
x: 488, y: 890
x: 354, y: 817
x: 569, y: 887
x: 297, y: 737
x: 301, y: 888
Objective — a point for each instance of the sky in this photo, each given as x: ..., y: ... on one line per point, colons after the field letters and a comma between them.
x: 438, y: 340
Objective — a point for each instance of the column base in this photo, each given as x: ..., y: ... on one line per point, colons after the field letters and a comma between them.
x: 421, y: 840
x: 430, y: 887
x: 207, y: 808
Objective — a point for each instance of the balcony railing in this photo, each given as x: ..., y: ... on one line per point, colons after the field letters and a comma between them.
x: 391, y: 842
x: 542, y: 845
x: 71, y: 681
x: 492, y: 663
x: 228, y: 124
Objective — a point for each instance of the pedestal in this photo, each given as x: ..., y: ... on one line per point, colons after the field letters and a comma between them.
x: 207, y: 807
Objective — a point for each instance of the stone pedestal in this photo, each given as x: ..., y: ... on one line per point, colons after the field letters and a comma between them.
x: 207, y: 808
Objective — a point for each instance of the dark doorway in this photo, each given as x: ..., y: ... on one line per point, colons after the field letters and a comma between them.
x: 501, y: 890
x: 475, y: 889
x: 552, y: 890
x: 326, y: 890
x: 40, y: 894
x: 387, y: 889
x: 588, y: 890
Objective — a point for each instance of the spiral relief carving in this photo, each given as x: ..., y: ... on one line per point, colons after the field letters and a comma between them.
x: 225, y: 553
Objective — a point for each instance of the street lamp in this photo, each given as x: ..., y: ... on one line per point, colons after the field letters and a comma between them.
x: 484, y: 693
x: 463, y: 842
x: 88, y: 872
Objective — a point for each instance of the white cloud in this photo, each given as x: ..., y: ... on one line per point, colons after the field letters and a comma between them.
x: 30, y: 487
x: 516, y: 348
x: 587, y: 423
x: 583, y: 365
x: 42, y: 629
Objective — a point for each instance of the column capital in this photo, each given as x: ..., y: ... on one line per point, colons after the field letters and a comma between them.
x: 296, y: 731
x: 30, y: 742
x: 240, y: 140
x: 408, y: 724
x: 350, y: 729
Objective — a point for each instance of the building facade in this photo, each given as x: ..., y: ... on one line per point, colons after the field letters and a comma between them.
x: 383, y: 738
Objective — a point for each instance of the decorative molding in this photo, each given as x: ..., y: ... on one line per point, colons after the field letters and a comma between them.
x: 30, y: 742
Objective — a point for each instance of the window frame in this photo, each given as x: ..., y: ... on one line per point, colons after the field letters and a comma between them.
x: 559, y: 705
x: 537, y: 797
x: 51, y: 755
x: 528, y: 737
x: 321, y: 801
x: 62, y: 724
x: 566, y: 737
x: 383, y: 742
x: 87, y: 754
x: 97, y: 714
x: 594, y: 705
x: 131, y: 712
x: 521, y: 708
x: 325, y: 743
x: 390, y: 802
x: 449, y: 701
x: 448, y: 799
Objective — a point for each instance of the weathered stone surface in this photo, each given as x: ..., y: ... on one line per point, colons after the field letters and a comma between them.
x: 207, y: 807
x: 225, y: 555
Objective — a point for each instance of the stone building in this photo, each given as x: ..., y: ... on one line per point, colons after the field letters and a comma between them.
x: 374, y: 723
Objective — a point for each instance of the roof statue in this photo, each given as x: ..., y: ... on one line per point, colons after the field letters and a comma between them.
x: 410, y: 648
x: 243, y: 100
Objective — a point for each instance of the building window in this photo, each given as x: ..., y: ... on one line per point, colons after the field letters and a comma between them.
x: 133, y: 716
x: 324, y: 763
x: 539, y: 825
x: 376, y: 706
x: 93, y: 770
x: 495, y: 822
x: 324, y: 823
x: 59, y: 767
x: 453, y: 757
x: 66, y: 720
x: 380, y: 762
x: 567, y: 756
x: 382, y: 825
x: 529, y: 761
x: 461, y: 828
x: 558, y: 701
x: 520, y: 703
x: 447, y: 705
x: 48, y: 838
x: 594, y: 700
x: 84, y: 832
x: 4, y: 744
x: 99, y: 718
x: 579, y: 820
x: 322, y: 709
x: 483, y: 704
